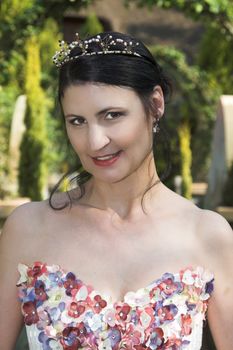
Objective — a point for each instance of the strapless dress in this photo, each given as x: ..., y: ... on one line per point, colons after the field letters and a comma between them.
x: 62, y: 312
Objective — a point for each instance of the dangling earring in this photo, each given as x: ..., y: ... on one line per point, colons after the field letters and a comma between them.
x: 156, y: 125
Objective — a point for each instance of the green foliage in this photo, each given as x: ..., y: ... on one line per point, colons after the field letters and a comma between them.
x: 7, y: 101
x: 92, y: 25
x: 194, y: 99
x: 32, y: 169
x: 218, y: 11
x: 186, y: 156
x: 227, y: 197
x: 21, y: 19
x: 48, y: 41
x: 220, y: 62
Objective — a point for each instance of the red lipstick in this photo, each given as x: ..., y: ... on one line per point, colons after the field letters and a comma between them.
x: 107, y: 162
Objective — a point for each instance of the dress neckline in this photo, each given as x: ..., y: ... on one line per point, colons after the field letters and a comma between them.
x: 189, y: 271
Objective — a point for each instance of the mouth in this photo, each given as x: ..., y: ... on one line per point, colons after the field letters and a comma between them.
x: 107, y: 156
x: 107, y: 160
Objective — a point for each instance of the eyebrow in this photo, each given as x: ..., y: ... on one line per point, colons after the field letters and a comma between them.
x: 98, y: 114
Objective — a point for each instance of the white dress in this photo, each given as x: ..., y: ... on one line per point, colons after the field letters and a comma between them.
x: 62, y: 312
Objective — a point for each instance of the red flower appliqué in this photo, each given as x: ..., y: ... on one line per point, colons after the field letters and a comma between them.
x: 70, y: 338
x: 186, y: 324
x: 122, y: 312
x: 75, y: 309
x: 37, y: 270
x: 30, y: 313
x: 98, y: 304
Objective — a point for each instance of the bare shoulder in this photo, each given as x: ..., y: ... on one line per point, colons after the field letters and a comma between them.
x: 217, y: 241
x: 21, y: 229
x: 214, y: 227
x: 18, y: 243
x: 24, y: 217
x: 216, y: 237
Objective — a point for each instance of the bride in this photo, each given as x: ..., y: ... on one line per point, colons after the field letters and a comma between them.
x: 120, y: 261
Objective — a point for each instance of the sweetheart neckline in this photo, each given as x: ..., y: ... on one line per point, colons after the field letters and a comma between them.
x: 108, y: 296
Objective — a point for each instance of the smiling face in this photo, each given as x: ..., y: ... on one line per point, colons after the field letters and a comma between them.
x: 102, y: 120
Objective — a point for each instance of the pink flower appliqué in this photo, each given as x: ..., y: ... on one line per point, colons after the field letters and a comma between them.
x: 75, y: 309
x: 37, y: 269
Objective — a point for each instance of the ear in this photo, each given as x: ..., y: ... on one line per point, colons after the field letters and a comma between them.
x: 158, y: 101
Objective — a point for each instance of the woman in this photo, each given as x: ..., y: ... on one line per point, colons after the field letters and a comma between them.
x: 126, y: 263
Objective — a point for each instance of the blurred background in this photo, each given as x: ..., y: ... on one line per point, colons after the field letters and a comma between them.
x: 193, y: 42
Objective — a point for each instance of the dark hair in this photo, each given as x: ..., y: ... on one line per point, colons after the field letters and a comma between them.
x: 141, y: 74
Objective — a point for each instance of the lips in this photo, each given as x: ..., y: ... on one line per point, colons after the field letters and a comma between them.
x: 107, y: 155
x: 108, y: 161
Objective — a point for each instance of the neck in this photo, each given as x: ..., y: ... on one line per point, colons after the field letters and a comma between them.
x: 123, y: 197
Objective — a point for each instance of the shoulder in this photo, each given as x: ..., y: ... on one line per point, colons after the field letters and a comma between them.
x: 21, y: 228
x: 214, y: 227
x: 216, y: 237
x: 24, y: 216
x: 217, y: 242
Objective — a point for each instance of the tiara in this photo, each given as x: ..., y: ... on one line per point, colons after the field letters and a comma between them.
x: 94, y: 46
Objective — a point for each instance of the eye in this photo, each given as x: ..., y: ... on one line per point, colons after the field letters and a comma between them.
x: 78, y: 121
x: 115, y: 114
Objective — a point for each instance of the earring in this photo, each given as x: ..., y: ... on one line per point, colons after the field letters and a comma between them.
x: 156, y: 125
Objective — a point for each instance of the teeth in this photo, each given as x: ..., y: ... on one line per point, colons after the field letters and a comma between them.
x: 106, y: 157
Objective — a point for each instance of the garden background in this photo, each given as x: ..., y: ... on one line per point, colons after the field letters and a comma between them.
x: 201, y: 71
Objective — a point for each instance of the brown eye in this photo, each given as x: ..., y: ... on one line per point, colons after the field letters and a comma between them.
x: 115, y: 114
x: 76, y: 121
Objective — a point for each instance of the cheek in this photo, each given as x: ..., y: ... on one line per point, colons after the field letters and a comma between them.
x: 135, y: 134
x: 74, y: 139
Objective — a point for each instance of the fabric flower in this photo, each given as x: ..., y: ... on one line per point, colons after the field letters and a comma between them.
x: 122, y: 312
x: 105, y: 345
x: 186, y: 324
x: 115, y: 336
x: 167, y: 313
x: 97, y: 304
x: 132, y: 336
x: 168, y: 286
x: 30, y: 313
x: 139, y: 298
x: 23, y: 270
x: 81, y: 293
x: 95, y: 322
x: 75, y: 309
x: 67, y: 314
x: 55, y: 279
x: 41, y: 296
x: 70, y: 340
x: 70, y: 283
x: 109, y: 317
x: 156, y: 340
x: 44, y: 319
x: 37, y: 269
x: 146, y: 317
x: 55, y: 296
x: 187, y: 277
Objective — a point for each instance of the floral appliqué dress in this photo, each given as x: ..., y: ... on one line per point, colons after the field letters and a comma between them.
x: 62, y: 312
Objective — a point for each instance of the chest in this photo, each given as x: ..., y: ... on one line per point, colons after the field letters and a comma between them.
x: 116, y: 259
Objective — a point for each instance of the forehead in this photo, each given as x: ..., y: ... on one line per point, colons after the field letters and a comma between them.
x: 98, y: 95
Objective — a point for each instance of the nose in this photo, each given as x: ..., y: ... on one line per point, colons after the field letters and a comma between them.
x: 97, y: 138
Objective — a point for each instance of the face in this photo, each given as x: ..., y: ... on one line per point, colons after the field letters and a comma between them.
x: 105, y: 119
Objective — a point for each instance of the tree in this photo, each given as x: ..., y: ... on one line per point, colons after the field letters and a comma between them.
x: 220, y: 63
x: 217, y: 18
x: 190, y: 114
x: 219, y: 12
x: 92, y: 25
x: 32, y: 169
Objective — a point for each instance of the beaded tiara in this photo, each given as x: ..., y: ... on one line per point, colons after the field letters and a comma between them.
x: 94, y: 46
